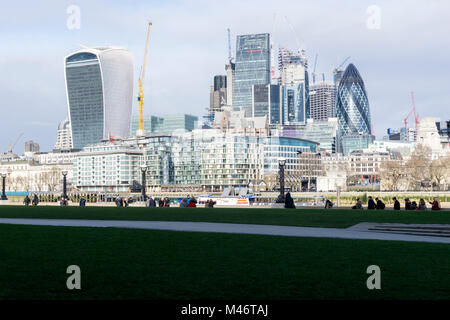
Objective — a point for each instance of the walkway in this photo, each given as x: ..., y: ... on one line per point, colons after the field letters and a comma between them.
x: 361, y: 231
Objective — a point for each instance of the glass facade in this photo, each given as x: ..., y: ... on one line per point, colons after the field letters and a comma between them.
x: 207, y: 158
x: 266, y: 102
x: 252, y: 67
x: 152, y: 124
x: 352, y: 105
x: 295, y: 99
x: 85, y: 96
x: 99, y: 85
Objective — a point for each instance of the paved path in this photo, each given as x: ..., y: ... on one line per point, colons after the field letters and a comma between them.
x: 231, y: 228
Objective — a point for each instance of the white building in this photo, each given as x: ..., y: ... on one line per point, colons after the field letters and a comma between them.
x: 428, y: 135
x: 64, y: 137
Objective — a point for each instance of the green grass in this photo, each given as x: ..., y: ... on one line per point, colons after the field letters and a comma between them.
x: 300, y: 217
x: 142, y: 264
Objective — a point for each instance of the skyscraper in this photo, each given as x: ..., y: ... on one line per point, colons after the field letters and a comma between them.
x: 99, y: 86
x: 322, y: 101
x: 252, y: 67
x: 266, y: 101
x: 352, y: 107
x: 295, y: 86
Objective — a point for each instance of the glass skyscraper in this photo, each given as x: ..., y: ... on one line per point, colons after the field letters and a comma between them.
x: 99, y: 86
x: 252, y: 67
x: 352, y: 105
x: 266, y: 101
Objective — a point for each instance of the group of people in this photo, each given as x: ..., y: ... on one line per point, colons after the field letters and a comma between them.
x: 188, y: 202
x: 209, y: 203
x: 162, y: 202
x: 379, y: 205
x: 34, y: 201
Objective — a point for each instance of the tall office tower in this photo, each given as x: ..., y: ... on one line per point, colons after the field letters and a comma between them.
x: 352, y: 111
x: 252, y: 67
x: 322, y: 101
x: 99, y: 85
x: 295, y: 86
x: 31, y: 146
x: 266, y: 100
x: 230, y: 68
x: 64, y: 138
x: 218, y: 93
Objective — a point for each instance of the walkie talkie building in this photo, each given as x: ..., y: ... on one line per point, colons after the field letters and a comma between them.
x: 99, y: 87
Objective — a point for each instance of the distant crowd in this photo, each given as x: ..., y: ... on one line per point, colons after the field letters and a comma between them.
x: 377, y: 204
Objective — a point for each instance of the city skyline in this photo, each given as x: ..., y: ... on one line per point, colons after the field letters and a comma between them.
x: 34, y: 49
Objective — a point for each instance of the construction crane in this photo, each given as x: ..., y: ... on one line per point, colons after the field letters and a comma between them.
x: 413, y: 111
x: 335, y: 73
x: 314, y: 70
x: 141, y: 131
x: 11, y: 147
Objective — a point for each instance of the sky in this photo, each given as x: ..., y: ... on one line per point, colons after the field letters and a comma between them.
x: 398, y: 46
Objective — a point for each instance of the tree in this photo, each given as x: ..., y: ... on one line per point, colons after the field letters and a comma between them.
x: 392, y: 172
x: 418, y: 167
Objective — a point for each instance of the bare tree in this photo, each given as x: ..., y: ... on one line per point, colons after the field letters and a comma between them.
x: 418, y: 167
x: 392, y: 172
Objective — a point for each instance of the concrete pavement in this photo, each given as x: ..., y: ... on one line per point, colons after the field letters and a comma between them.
x: 349, y: 233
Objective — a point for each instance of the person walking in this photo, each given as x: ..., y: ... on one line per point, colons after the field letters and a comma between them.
x: 435, y: 205
x: 380, y: 204
x: 35, y: 200
x: 422, y: 205
x: 82, y: 202
x: 371, y: 204
x: 289, y: 202
x: 396, y: 204
x: 26, y: 201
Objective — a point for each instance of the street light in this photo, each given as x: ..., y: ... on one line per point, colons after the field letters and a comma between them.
x: 143, y: 170
x: 281, y: 165
x: 64, y: 173
x: 4, y: 197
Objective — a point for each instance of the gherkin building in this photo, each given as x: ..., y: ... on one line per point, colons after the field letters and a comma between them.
x: 352, y: 105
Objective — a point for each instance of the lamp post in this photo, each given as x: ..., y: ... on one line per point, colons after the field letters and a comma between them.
x: 4, y: 197
x: 281, y: 165
x: 64, y: 173
x: 143, y: 170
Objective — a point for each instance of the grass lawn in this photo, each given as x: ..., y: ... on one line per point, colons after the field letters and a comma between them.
x: 143, y: 264
x: 336, y: 218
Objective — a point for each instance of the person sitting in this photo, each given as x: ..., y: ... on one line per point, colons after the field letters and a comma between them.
x: 422, y: 205
x: 289, y: 202
x: 328, y: 204
x: 192, y: 203
x: 211, y: 203
x: 166, y: 202
x: 396, y: 204
x: 413, y: 206
x: 183, y: 203
x: 27, y: 201
x: 207, y: 204
x: 161, y: 202
x: 435, y: 205
x: 407, y: 204
x: 358, y: 204
x: 371, y: 204
x: 380, y: 204
x: 151, y: 202
x: 82, y: 202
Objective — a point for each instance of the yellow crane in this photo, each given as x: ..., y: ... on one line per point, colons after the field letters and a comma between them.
x: 141, y: 131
